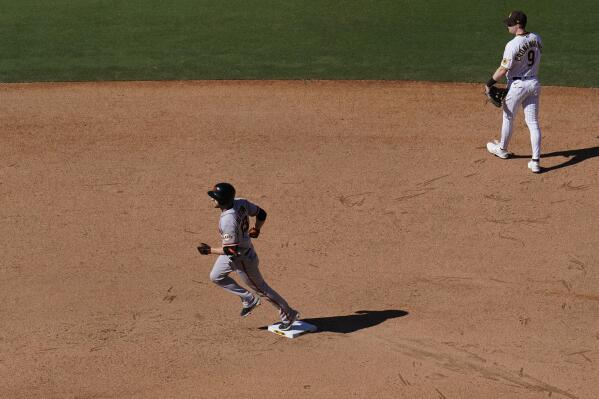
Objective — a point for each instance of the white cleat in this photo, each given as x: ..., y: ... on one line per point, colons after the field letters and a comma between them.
x: 495, y: 149
x: 534, y: 166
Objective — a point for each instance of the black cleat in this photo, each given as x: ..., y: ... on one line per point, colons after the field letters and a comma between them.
x: 286, y: 326
x: 246, y: 311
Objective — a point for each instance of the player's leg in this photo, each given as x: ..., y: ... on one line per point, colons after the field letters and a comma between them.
x: 510, y: 108
x: 220, y: 276
x: 531, y: 115
x: 247, y: 267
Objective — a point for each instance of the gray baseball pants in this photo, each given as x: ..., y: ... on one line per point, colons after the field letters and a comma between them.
x: 246, y: 267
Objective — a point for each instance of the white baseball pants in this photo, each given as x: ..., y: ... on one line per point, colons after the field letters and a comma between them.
x: 525, y: 92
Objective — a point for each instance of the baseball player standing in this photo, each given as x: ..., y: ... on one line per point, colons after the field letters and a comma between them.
x: 237, y: 254
x: 520, y: 64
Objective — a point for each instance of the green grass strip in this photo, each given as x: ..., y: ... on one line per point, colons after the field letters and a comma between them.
x: 435, y: 40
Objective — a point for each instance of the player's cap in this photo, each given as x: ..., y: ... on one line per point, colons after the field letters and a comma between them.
x: 515, y: 18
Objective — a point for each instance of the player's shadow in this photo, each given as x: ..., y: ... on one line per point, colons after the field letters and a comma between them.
x: 575, y: 156
x: 350, y: 323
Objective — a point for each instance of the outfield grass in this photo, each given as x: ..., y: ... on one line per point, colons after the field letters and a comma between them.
x: 437, y: 40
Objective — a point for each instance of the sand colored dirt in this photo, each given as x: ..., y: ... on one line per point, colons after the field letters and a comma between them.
x: 433, y: 269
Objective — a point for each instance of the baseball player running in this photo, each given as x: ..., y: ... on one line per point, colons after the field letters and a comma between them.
x: 520, y: 64
x: 237, y: 254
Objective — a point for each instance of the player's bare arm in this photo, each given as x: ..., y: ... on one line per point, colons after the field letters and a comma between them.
x: 497, y: 76
x: 205, y: 249
x: 500, y: 73
x: 260, y: 219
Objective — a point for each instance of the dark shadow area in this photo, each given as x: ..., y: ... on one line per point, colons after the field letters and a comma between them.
x: 347, y: 324
x: 575, y: 156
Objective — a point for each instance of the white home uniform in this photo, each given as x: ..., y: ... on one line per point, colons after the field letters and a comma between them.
x: 234, y: 230
x: 522, y: 57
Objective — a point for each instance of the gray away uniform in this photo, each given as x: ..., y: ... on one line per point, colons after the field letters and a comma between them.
x: 234, y: 227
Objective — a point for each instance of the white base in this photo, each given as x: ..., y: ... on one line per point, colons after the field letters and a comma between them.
x: 297, y: 328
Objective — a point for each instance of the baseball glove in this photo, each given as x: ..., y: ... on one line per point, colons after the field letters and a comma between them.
x: 496, y: 95
x: 254, y: 232
x: 204, y: 249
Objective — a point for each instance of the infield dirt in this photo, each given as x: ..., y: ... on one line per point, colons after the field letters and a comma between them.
x: 433, y: 269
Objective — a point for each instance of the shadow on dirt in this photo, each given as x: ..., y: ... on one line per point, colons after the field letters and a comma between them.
x: 576, y: 156
x: 360, y: 320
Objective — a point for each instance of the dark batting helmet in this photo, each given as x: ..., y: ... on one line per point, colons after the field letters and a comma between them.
x: 224, y: 193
